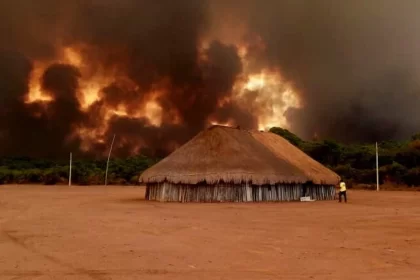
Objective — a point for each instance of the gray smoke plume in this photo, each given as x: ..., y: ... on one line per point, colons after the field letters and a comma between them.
x: 354, y: 65
x: 146, y: 41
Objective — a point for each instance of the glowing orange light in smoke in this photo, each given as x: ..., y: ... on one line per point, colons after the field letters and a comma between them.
x: 35, y: 92
x: 72, y: 56
x: 228, y: 123
x: 261, y: 91
x: 255, y: 82
x: 271, y: 97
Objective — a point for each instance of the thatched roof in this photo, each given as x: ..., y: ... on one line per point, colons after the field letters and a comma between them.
x: 225, y: 154
x: 283, y: 149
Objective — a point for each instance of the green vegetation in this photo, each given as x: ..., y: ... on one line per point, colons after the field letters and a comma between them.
x: 399, y: 163
x: 23, y: 170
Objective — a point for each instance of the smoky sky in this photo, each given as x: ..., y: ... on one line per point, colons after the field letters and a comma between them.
x: 353, y: 64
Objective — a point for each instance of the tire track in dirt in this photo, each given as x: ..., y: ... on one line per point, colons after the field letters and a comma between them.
x: 93, y: 274
x: 22, y: 275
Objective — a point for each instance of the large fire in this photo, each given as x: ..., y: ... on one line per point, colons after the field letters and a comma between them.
x: 155, y: 73
x: 35, y: 92
x: 271, y: 95
x: 263, y: 93
x: 90, y: 92
x: 274, y: 98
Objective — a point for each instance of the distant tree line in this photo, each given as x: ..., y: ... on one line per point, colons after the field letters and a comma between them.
x: 399, y: 163
x: 24, y: 170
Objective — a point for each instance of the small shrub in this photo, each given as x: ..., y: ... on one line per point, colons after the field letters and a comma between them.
x: 134, y: 180
x: 51, y: 177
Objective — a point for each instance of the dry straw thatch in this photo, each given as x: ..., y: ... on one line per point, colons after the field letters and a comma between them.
x: 315, y: 171
x: 230, y: 155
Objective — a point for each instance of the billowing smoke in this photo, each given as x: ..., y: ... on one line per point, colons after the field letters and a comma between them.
x: 74, y: 73
x: 354, y: 64
x: 144, y: 50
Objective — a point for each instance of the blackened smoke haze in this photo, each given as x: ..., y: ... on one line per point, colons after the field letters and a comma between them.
x: 73, y: 73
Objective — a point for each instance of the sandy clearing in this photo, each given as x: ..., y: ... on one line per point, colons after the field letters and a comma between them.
x: 102, y: 233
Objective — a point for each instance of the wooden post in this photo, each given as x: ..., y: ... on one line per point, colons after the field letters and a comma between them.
x: 107, y: 163
x: 70, y: 170
x: 377, y: 168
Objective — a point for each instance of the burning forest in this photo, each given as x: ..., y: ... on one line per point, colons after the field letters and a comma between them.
x: 74, y: 73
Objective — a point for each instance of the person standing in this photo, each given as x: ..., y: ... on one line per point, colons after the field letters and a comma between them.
x: 342, y: 192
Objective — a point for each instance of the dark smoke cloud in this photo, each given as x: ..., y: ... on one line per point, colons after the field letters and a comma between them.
x: 354, y: 65
x: 200, y: 96
x: 145, y: 41
x: 37, y: 129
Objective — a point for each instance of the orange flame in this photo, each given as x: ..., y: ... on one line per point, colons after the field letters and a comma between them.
x: 35, y: 92
x: 264, y: 92
x: 90, y: 85
x: 273, y: 98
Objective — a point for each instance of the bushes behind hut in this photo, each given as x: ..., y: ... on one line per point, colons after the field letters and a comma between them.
x: 399, y: 163
x: 24, y: 170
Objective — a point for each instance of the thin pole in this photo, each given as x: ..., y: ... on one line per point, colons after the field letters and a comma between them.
x: 107, y: 163
x: 377, y: 168
x: 71, y: 158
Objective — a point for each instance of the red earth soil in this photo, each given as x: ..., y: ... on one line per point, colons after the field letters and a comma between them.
x: 103, y: 233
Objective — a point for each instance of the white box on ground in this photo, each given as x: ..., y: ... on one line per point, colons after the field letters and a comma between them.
x: 306, y: 198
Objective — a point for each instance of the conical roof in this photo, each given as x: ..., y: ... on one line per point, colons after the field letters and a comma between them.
x: 283, y: 149
x: 231, y: 155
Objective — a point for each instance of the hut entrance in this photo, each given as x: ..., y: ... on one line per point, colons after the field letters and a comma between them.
x: 304, y: 190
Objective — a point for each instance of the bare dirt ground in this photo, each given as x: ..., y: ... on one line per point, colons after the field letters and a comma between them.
x: 112, y: 233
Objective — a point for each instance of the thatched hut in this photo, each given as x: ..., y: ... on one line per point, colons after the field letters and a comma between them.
x: 231, y: 164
